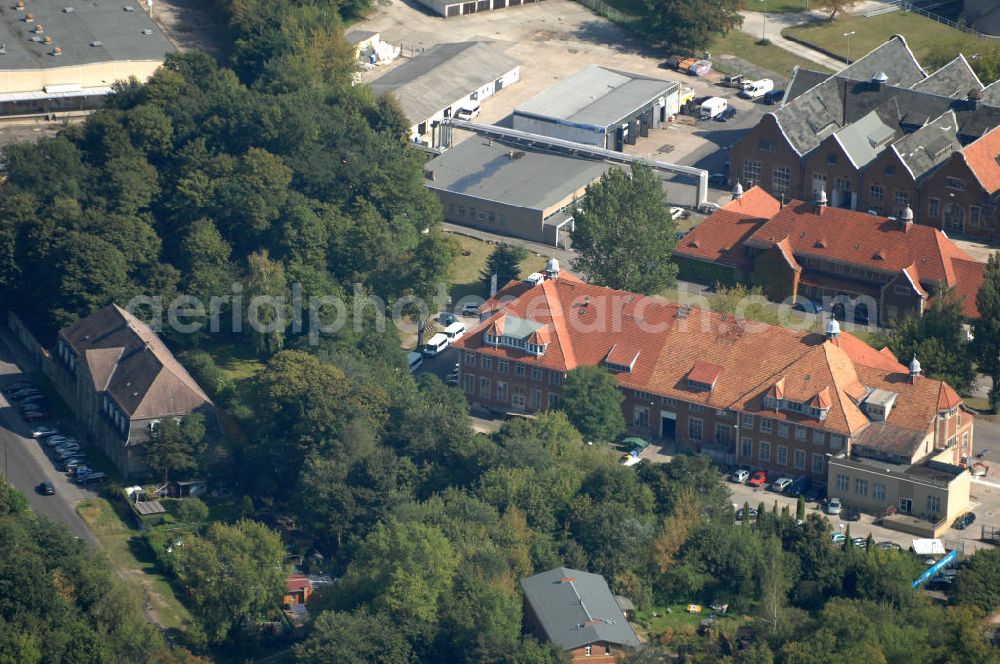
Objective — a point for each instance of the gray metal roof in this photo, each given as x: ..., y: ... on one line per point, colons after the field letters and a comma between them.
x: 802, y: 80
x: 930, y: 146
x: 954, y: 80
x: 575, y: 613
x: 358, y: 36
x: 520, y: 328
x: 991, y: 94
x: 863, y: 140
x: 596, y: 96
x: 893, y: 58
x: 118, y: 32
x: 443, y: 75
x: 533, y: 180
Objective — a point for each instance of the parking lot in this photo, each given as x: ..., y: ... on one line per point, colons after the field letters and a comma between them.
x: 557, y: 38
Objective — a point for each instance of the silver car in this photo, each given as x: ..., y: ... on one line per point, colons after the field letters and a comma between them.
x: 833, y: 507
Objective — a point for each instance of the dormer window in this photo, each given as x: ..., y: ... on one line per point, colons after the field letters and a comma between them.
x: 518, y: 333
x: 793, y: 406
x: 703, y: 376
x: 819, y: 413
x: 621, y: 359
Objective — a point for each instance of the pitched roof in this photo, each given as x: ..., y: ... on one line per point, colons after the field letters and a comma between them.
x: 742, y: 360
x: 864, y: 139
x: 982, y: 157
x: 954, y: 80
x: 969, y: 276
x: 893, y: 58
x: 930, y: 146
x: 434, y: 79
x: 802, y: 80
x: 128, y: 360
x: 297, y: 582
x: 720, y: 237
x: 577, y: 608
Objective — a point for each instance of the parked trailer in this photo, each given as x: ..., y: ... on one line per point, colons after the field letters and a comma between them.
x: 713, y: 106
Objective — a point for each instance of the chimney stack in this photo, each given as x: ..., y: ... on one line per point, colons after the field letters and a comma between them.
x: 737, y: 191
x: 914, y: 369
x: 832, y: 329
x: 878, y: 80
x: 907, y: 218
x: 973, y: 98
x: 820, y: 201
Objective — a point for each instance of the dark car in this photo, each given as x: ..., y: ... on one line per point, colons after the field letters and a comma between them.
x: 752, y: 514
x: 773, y: 97
x: 798, y: 487
x: 964, y: 521
x: 46, y: 488
x: 14, y: 387
x: 726, y: 115
x: 852, y: 514
x: 942, y: 583
x: 34, y: 416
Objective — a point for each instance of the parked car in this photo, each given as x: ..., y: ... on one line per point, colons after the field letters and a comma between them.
x: 750, y: 514
x: 852, y: 514
x: 59, y: 439
x: 678, y: 213
x: 62, y: 456
x: 74, y: 462
x: 79, y: 469
x: 759, y: 479
x: 725, y: 116
x: 740, y: 476
x: 860, y: 541
x: 889, y: 546
x: 806, y: 305
x: 942, y: 583
x: 44, y: 432
x: 25, y: 393
x: 814, y: 493
x: 964, y: 521
x: 833, y: 507
x: 34, y: 398
x: 92, y: 478
x: 46, y: 488
x: 470, y: 309
x: 838, y: 538
x: 780, y: 484
x: 799, y: 486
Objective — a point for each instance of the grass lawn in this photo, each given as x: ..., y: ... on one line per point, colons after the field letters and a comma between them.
x: 779, y: 6
x: 767, y: 56
x: 132, y: 558
x: 238, y: 362
x: 923, y: 35
x: 470, y: 260
x: 675, y: 617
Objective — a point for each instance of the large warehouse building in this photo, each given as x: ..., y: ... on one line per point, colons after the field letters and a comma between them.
x: 506, y: 190
x: 438, y: 82
x: 600, y: 106
x: 60, y: 56
x: 449, y: 8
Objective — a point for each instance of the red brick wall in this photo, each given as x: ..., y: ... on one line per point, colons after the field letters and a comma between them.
x: 766, y: 146
x: 897, y: 305
x: 936, y: 188
x: 889, y: 173
x: 830, y: 160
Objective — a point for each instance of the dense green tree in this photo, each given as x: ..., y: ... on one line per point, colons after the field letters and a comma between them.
x: 268, y: 306
x: 624, y: 233
x: 176, y: 446
x: 233, y: 576
x: 592, y: 402
x: 354, y: 638
x: 91, y: 273
x: 938, y: 340
x: 978, y: 584
x: 689, y: 24
x: 986, y: 328
x: 192, y: 510
x: 505, y: 263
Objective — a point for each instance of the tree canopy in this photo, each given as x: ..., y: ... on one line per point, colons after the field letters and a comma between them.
x: 688, y: 24
x: 592, y: 402
x: 624, y: 234
x: 986, y: 328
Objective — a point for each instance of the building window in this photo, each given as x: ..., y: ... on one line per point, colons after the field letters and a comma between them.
x: 668, y: 401
x: 783, y: 429
x: 725, y: 435
x: 819, y: 183
x: 902, y: 289
x: 975, y: 216
x: 553, y: 400
x: 799, y: 459
x: 836, y: 442
x: 588, y: 650
x: 890, y: 170
x: 957, y: 184
x: 555, y: 378
x: 861, y: 487
x: 781, y: 179
x: 642, y: 396
x: 536, y: 399
x: 766, y: 425
x: 902, y: 199
x: 461, y: 210
x: 746, y: 421
x: 518, y: 369
x: 842, y: 483
x: 765, y: 451
x: 905, y: 505
x: 801, y: 434
x: 933, y: 504
x: 877, y: 193
x: 695, y: 428
x: 484, y: 387
x: 472, y: 213
x: 695, y: 408
x: 640, y: 417
x: 878, y: 491
x: 766, y: 145
x: 503, y: 218
x: 817, y: 464
x: 470, y: 359
x: 843, y: 184
x: 492, y: 216
x: 486, y: 362
x: 782, y: 455
x: 751, y: 172
x: 469, y: 383
x: 933, y: 208
x: 536, y: 373
x: 831, y: 158
x: 746, y: 448
x: 503, y: 366
x: 819, y: 437
x: 502, y: 391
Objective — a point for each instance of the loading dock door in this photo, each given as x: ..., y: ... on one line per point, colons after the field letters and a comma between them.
x: 620, y: 133
x: 644, y: 122
x: 668, y: 425
x: 469, y: 8
x: 454, y: 10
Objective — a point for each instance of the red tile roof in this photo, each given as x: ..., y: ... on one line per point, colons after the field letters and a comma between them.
x: 969, y: 275
x: 297, y: 583
x: 981, y: 155
x: 720, y: 237
x: 671, y: 343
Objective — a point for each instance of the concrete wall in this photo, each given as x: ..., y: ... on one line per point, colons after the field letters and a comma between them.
x: 522, y: 222
x: 592, y: 136
x: 452, y: 8
x: 86, y: 76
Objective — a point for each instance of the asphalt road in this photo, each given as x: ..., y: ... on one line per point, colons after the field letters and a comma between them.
x: 26, y: 463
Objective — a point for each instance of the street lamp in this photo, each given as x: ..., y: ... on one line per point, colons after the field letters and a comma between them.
x: 763, y: 26
x: 848, y: 35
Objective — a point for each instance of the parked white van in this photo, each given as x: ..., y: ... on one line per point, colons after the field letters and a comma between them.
x: 454, y: 331
x: 436, y: 344
x: 757, y: 89
x: 415, y: 360
x: 469, y: 111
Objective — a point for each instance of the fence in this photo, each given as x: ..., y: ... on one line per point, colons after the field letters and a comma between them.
x: 607, y: 11
x: 910, y: 7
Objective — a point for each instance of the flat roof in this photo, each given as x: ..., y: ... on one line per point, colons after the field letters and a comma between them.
x: 442, y: 75
x: 503, y: 174
x: 933, y: 471
x: 596, y: 96
x: 118, y: 32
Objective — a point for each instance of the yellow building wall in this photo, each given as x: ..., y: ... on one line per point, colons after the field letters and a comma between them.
x: 94, y: 75
x: 954, y: 498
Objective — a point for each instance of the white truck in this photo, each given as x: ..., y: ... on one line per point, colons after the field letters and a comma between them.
x: 757, y: 89
x: 712, y: 107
